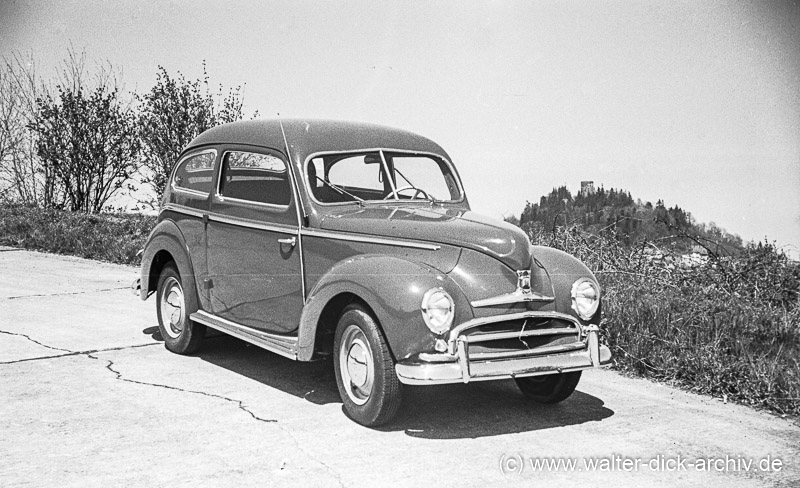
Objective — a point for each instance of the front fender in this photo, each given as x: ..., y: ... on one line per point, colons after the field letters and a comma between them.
x: 393, y: 288
x: 165, y: 237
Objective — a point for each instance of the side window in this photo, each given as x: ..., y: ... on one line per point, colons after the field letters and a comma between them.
x: 259, y: 178
x: 194, y: 172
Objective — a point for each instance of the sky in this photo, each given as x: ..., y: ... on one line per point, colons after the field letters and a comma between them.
x: 696, y: 103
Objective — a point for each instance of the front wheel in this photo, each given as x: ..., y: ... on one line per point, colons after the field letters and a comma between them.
x: 365, y: 375
x: 550, y: 388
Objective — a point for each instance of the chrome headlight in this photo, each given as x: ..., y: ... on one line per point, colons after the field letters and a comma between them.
x: 437, y: 310
x: 585, y: 298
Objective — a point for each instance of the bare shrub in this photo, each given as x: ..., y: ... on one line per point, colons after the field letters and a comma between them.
x: 23, y: 177
x: 174, y: 112
x: 86, y: 136
x: 728, y: 325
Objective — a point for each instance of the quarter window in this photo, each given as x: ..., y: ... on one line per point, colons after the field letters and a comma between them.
x: 194, y: 172
x: 253, y: 177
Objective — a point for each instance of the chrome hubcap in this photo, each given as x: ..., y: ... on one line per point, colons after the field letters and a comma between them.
x: 356, y: 365
x: 172, y: 309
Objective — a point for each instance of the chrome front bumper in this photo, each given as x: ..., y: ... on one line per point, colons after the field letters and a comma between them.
x: 455, y: 365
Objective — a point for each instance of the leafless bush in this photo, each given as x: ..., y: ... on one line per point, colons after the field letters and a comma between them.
x: 728, y: 325
x: 86, y: 135
x: 23, y: 177
x: 171, y: 114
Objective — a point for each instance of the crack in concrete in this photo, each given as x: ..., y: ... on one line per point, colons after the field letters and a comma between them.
x: 69, y: 352
x: 238, y: 403
x: 118, y: 375
x: 72, y: 353
x: 66, y: 293
x: 35, y: 342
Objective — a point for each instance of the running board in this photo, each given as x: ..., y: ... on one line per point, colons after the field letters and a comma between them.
x: 286, y: 346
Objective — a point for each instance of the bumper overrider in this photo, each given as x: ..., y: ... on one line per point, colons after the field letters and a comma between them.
x: 457, y: 365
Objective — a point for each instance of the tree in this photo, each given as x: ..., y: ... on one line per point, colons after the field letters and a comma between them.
x: 87, y: 138
x: 23, y: 177
x: 174, y: 112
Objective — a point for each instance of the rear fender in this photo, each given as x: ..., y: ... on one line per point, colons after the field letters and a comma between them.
x: 165, y: 237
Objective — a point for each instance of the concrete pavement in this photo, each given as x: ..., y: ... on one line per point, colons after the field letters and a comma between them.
x: 90, y: 397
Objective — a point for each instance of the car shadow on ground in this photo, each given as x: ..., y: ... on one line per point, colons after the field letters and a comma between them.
x: 457, y: 411
x: 487, y: 408
x: 154, y: 333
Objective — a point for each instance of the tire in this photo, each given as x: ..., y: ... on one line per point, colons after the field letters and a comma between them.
x: 551, y: 388
x: 365, y: 375
x: 175, y: 302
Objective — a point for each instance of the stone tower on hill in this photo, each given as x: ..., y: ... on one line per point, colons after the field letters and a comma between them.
x: 587, y: 188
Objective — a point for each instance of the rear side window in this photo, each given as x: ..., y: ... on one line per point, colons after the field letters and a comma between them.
x: 195, y: 171
x: 253, y: 177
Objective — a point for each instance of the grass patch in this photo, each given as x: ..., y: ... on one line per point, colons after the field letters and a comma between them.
x: 116, y: 238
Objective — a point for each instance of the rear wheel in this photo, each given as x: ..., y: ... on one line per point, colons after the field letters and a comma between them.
x: 174, y: 304
x: 550, y: 388
x: 365, y: 375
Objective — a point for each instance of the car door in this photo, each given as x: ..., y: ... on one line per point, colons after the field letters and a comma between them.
x: 252, y: 242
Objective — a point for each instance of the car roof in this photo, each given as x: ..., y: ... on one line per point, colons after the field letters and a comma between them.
x: 309, y: 136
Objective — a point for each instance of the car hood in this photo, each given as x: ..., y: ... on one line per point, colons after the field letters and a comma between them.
x: 456, y: 227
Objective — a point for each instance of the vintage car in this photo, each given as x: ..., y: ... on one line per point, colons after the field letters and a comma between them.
x: 314, y: 238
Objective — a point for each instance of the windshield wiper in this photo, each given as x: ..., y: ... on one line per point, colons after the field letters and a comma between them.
x: 342, y: 191
x: 415, y: 187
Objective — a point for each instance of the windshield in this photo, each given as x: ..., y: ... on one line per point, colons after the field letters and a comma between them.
x: 381, y: 176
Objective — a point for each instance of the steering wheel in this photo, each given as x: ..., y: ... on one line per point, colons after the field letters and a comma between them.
x: 417, y: 192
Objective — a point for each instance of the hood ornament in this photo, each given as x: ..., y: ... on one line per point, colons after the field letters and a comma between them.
x: 523, y: 293
x: 524, y: 281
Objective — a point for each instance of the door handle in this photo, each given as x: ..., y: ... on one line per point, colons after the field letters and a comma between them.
x: 292, y: 241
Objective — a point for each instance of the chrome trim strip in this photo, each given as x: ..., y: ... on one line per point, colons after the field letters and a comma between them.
x: 181, y: 209
x: 218, y: 198
x: 539, y: 351
x: 285, y: 346
x: 513, y: 297
x: 325, y: 234
x: 194, y: 193
x: 458, y: 330
x: 311, y: 156
x: 250, y: 224
x: 524, y: 333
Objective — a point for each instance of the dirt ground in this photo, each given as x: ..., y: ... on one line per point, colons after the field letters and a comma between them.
x: 90, y: 397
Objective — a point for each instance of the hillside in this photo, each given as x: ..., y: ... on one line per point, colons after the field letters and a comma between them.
x: 615, y: 213
x: 683, y: 302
